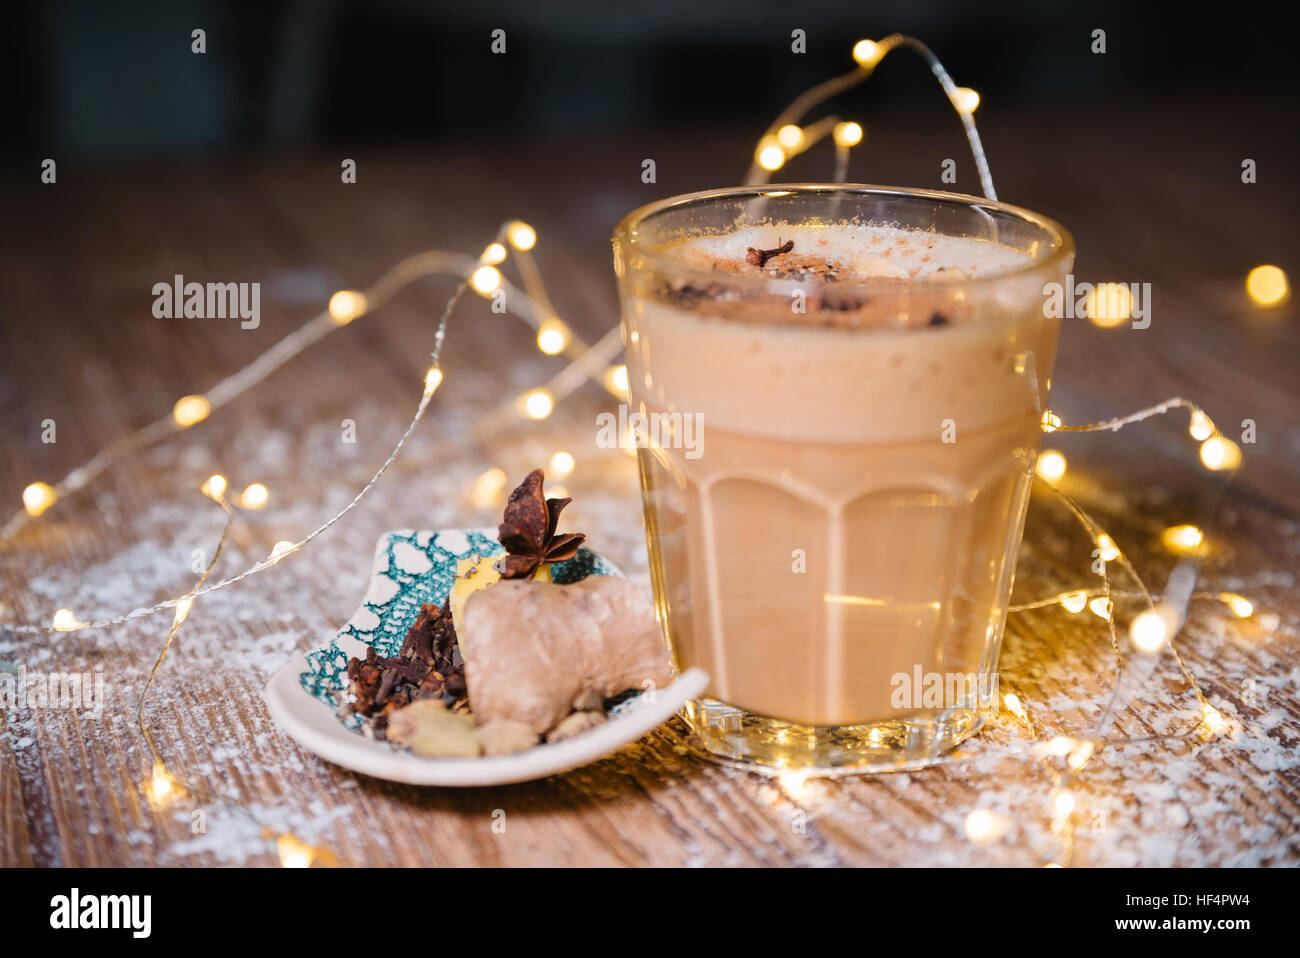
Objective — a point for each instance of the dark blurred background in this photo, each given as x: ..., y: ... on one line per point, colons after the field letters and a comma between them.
x: 95, y: 78
x: 226, y: 166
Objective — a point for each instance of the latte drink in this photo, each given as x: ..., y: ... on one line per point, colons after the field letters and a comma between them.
x: 862, y: 374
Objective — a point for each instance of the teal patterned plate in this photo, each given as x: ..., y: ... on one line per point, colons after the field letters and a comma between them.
x: 412, y: 568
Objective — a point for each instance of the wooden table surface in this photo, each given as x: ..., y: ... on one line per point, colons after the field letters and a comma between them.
x: 1151, y: 197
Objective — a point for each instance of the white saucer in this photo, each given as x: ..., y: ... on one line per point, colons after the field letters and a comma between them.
x: 314, y: 726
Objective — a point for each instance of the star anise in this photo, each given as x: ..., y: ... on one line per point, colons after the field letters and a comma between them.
x: 528, y: 530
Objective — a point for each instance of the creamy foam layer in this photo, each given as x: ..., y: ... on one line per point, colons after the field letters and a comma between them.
x: 851, y: 252
x: 847, y: 276
x: 895, y: 367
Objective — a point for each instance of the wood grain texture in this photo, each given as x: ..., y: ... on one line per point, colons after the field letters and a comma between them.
x: 1147, y: 201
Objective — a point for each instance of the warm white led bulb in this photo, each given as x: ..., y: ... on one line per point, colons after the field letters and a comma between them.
x: 346, y: 305
x: 771, y: 157
x: 847, y: 134
x: 38, y: 497
x: 255, y: 496
x: 552, y: 337
x: 867, y: 52
x: 1106, y: 548
x: 521, y: 236
x: 191, y: 409
x: 1149, y: 631
x: 966, y: 99
x: 538, y: 404
x: 485, y: 279
x: 790, y: 136
x: 65, y: 621
x: 1074, y: 601
x: 1241, y: 607
x: 1050, y: 465
x: 1184, y: 540
x: 1267, y: 285
x: 1200, y: 426
x: 562, y: 463
x: 1220, y: 453
x: 616, y: 380
x: 214, y: 486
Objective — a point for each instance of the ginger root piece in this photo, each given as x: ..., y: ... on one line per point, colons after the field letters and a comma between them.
x: 428, y: 729
x: 502, y: 736
x: 589, y: 700
x: 575, y: 724
x: 534, y: 648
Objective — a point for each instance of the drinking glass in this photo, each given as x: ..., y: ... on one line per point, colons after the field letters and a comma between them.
x: 835, y: 468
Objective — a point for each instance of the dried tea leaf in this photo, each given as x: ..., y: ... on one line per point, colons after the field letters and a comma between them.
x: 429, y: 665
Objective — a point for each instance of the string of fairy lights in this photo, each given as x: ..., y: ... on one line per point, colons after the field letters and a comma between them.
x: 785, y: 138
x: 532, y: 305
x: 554, y: 336
x: 1151, y: 632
